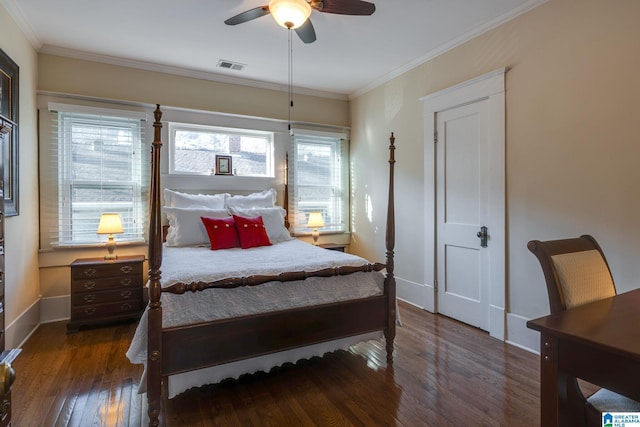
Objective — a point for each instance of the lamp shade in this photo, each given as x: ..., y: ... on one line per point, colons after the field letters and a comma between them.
x: 110, y: 223
x: 315, y: 220
x: 290, y: 13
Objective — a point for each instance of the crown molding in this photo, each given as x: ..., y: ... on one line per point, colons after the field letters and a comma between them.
x: 32, y: 36
x: 488, y: 26
x: 18, y: 17
x: 34, y: 39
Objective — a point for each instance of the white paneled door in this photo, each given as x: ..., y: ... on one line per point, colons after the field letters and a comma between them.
x: 464, y: 211
x: 462, y: 199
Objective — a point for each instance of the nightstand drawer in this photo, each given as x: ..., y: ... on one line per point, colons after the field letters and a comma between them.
x: 89, y: 312
x: 334, y: 246
x: 96, y: 271
x: 93, y: 285
x: 87, y: 298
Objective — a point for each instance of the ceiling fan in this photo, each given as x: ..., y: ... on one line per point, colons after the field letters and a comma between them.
x: 294, y: 14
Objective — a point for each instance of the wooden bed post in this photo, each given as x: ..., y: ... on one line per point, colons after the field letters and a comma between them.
x: 154, y: 337
x: 390, y: 237
x: 286, y: 191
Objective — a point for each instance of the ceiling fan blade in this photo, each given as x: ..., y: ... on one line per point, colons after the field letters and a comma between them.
x: 306, y: 32
x: 344, y: 7
x: 248, y: 15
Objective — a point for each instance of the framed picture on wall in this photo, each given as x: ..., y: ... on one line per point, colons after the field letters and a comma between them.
x: 223, y: 165
x: 9, y: 112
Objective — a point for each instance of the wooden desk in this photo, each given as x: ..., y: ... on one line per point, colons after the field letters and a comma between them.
x: 598, y: 342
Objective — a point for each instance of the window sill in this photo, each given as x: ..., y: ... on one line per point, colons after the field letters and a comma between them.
x: 327, y: 233
x: 63, y: 256
x: 80, y: 246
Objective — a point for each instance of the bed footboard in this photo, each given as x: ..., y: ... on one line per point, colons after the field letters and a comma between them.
x: 228, y: 340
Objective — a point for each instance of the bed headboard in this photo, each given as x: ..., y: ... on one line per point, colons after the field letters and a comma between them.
x: 284, y: 201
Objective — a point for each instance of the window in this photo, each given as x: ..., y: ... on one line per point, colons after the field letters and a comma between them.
x: 101, y: 167
x: 193, y: 150
x: 319, y: 181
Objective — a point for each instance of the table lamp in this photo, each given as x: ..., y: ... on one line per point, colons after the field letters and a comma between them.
x: 315, y: 221
x: 110, y: 224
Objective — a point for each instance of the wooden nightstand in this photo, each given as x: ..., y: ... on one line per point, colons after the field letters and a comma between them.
x: 105, y: 291
x: 334, y: 246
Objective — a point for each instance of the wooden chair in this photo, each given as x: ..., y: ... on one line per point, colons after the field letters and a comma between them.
x: 576, y: 272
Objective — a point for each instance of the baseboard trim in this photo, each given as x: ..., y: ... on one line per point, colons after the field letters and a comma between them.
x: 521, y: 336
x: 18, y: 331
x: 55, y: 309
x: 414, y: 293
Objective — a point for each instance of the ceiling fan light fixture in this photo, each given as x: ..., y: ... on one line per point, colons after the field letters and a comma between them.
x: 290, y: 14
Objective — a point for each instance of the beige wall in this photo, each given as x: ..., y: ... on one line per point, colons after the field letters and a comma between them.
x: 71, y: 76
x: 21, y: 232
x: 572, y: 140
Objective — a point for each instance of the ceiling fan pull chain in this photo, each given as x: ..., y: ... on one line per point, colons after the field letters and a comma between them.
x: 290, y: 81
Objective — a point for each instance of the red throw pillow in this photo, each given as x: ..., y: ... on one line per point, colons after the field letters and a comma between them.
x: 222, y: 232
x: 251, y: 231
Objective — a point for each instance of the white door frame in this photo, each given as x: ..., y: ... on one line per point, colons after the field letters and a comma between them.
x: 490, y: 86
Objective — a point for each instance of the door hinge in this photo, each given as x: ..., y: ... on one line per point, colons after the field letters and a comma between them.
x: 435, y: 136
x: 435, y: 285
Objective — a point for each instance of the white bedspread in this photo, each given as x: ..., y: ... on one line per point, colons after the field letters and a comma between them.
x: 202, y: 264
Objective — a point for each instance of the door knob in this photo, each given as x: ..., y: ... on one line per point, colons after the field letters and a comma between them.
x: 7, y: 377
x: 483, y: 235
x: 7, y: 374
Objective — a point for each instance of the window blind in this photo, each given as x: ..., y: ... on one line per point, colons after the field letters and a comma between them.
x: 319, y: 181
x: 99, y: 165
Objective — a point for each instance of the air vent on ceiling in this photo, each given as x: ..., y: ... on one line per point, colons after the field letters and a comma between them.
x: 230, y: 65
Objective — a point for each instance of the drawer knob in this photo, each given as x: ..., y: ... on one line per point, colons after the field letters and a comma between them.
x: 90, y: 285
x: 125, y: 307
x: 89, y: 310
x: 89, y: 298
x: 126, y: 281
x: 126, y: 269
x: 89, y: 272
x: 125, y: 294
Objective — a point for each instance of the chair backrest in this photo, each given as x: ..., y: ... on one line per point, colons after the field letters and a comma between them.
x: 576, y: 271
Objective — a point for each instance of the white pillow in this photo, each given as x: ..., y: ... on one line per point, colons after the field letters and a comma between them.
x: 263, y: 199
x: 186, y: 227
x: 273, y: 219
x: 176, y: 199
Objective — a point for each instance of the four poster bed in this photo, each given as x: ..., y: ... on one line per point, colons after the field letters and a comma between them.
x: 261, y: 307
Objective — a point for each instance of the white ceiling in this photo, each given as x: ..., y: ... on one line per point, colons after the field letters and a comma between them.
x: 351, y: 55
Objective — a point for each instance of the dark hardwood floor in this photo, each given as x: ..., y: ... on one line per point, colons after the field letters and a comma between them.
x: 444, y: 374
